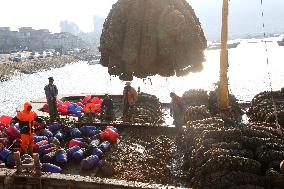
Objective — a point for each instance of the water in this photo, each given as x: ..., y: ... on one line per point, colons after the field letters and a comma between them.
x: 248, y: 75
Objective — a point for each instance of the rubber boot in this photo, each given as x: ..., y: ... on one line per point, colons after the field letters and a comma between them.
x: 30, y: 150
x: 24, y: 151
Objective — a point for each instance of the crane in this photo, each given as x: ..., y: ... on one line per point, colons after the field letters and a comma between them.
x: 223, y: 86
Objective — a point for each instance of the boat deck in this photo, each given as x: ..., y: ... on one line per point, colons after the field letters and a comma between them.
x: 118, y: 106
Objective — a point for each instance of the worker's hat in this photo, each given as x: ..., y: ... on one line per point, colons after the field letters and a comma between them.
x: 128, y: 83
x: 51, y: 78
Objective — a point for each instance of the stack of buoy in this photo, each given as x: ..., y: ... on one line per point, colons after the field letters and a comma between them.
x: 75, y: 109
x: 86, y: 146
x: 61, y: 143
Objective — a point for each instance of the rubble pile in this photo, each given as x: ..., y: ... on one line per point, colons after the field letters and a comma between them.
x: 262, y: 108
x: 147, y: 110
x: 218, y: 156
x: 5, y: 71
x: 86, y: 56
x: 9, y: 68
x: 149, y: 37
x: 33, y: 66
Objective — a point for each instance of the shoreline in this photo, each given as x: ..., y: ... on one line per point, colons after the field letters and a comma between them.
x: 10, y: 68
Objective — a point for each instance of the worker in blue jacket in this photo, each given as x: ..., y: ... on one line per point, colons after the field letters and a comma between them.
x: 51, y: 93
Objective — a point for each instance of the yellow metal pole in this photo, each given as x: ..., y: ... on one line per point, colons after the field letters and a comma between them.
x: 223, y: 87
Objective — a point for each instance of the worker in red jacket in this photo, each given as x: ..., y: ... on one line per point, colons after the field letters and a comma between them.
x: 25, y: 119
x: 177, y: 110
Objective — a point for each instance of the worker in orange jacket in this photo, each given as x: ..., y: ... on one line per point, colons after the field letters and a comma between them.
x: 25, y: 119
x: 130, y: 96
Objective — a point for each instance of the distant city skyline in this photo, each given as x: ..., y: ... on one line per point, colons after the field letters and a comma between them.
x: 244, y: 16
x: 48, y: 14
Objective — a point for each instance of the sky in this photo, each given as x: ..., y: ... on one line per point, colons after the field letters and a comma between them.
x: 48, y: 13
x: 245, y: 15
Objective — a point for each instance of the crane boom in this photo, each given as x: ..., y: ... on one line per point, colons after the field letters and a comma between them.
x: 223, y: 86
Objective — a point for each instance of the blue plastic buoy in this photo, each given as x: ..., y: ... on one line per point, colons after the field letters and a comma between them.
x: 77, y: 110
x: 44, y: 147
x: 46, y: 132
x: 92, y: 127
x: 48, y: 158
x: 91, y: 133
x: 54, y: 127
x: 89, y: 162
x: 78, y: 155
x: 97, y: 152
x: 10, y: 161
x: 61, y: 158
x: 39, y: 138
x: 72, y: 107
x: 70, y: 151
x: 48, y: 167
x: 95, y: 143
x: 76, y: 133
x: 88, y: 130
x: 104, y: 146
x: 59, y: 136
x: 79, y: 139
x: 4, y: 154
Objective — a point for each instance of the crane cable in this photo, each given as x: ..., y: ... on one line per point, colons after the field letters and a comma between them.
x: 269, y: 74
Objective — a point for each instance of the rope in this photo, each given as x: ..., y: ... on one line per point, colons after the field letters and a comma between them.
x: 269, y: 74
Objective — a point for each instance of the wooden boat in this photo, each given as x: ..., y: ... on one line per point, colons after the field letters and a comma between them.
x: 281, y: 43
x: 215, y: 46
x: 118, y: 107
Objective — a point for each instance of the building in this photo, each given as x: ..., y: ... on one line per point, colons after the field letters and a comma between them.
x: 28, y: 38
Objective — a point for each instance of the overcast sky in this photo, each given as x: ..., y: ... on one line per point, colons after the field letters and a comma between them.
x: 245, y: 15
x: 48, y: 13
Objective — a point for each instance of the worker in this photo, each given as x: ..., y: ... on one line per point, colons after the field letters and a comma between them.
x: 107, y: 109
x: 130, y: 96
x: 25, y: 119
x: 177, y: 109
x: 51, y: 93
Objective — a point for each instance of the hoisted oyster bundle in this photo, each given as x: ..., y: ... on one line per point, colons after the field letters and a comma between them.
x: 262, y: 107
x: 149, y: 37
